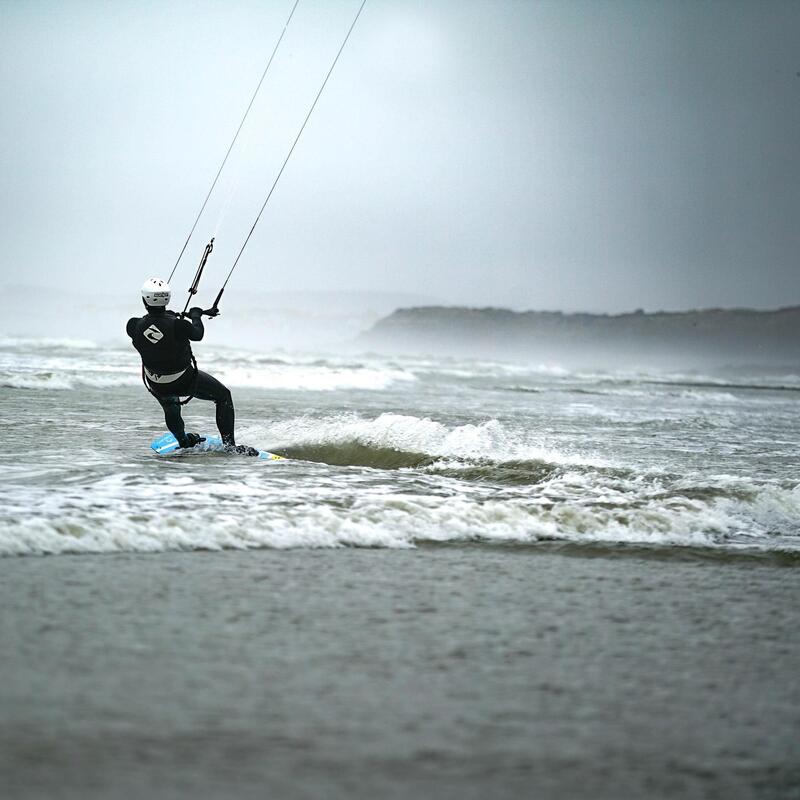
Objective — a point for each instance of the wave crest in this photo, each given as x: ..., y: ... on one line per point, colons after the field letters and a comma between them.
x: 766, y: 524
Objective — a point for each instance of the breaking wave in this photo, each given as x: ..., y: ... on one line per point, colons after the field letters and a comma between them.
x: 64, y: 381
x: 21, y: 342
x: 316, y: 378
x: 280, y: 377
x: 449, y: 484
x: 429, y: 438
x: 667, y: 462
x: 767, y: 521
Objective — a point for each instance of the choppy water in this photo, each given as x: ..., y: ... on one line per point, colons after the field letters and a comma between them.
x: 393, y: 452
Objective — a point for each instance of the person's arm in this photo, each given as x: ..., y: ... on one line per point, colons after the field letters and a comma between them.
x: 130, y: 328
x: 192, y: 328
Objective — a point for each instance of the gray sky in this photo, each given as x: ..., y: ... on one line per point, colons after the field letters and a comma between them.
x: 577, y: 155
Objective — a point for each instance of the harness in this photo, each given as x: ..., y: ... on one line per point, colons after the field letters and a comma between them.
x: 194, y: 383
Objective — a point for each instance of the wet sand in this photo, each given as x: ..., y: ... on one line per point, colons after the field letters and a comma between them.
x: 441, y: 672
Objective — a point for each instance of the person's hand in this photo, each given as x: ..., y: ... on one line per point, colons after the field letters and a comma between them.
x: 195, y: 311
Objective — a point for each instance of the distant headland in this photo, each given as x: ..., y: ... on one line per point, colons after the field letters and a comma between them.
x: 718, y: 336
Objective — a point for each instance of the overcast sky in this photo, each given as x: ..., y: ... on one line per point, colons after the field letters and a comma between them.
x: 577, y: 155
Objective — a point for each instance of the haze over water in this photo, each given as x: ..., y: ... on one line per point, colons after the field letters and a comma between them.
x: 574, y: 156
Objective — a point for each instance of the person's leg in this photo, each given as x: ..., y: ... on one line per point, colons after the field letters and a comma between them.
x: 172, y: 416
x: 209, y: 388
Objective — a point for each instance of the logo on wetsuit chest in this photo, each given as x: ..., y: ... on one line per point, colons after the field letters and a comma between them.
x: 153, y: 335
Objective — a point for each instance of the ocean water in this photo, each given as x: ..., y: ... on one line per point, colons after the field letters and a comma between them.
x: 391, y: 452
x: 468, y: 579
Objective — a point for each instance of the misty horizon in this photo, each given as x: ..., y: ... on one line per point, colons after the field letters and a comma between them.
x: 569, y: 156
x: 386, y: 300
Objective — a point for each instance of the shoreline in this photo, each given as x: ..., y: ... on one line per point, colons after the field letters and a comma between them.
x: 569, y: 548
x: 466, y: 671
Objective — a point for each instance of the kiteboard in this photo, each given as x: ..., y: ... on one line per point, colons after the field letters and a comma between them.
x: 169, y: 444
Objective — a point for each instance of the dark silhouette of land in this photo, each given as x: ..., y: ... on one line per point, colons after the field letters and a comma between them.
x: 736, y: 336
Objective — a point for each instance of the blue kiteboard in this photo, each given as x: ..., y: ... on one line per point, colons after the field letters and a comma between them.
x: 169, y: 444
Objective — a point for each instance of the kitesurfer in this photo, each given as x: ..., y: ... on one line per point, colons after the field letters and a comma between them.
x: 170, y: 372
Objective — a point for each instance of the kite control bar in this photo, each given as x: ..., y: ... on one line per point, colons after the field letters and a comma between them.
x: 196, y: 281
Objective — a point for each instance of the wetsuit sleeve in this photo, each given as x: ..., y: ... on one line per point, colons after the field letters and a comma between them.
x: 191, y: 328
x: 130, y: 328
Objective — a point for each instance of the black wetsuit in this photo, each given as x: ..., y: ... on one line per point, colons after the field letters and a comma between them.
x: 162, y: 339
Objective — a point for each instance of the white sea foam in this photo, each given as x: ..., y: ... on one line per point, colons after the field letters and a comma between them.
x: 43, y: 369
x: 656, y: 463
x: 47, y: 343
x: 33, y: 381
x: 488, y: 439
x: 67, y: 380
x: 313, y: 378
x: 706, y: 396
x: 307, y: 505
x: 382, y: 519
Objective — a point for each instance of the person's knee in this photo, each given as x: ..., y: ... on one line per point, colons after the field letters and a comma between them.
x: 225, y: 397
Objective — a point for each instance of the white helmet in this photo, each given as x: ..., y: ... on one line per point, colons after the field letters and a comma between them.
x: 155, y: 292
